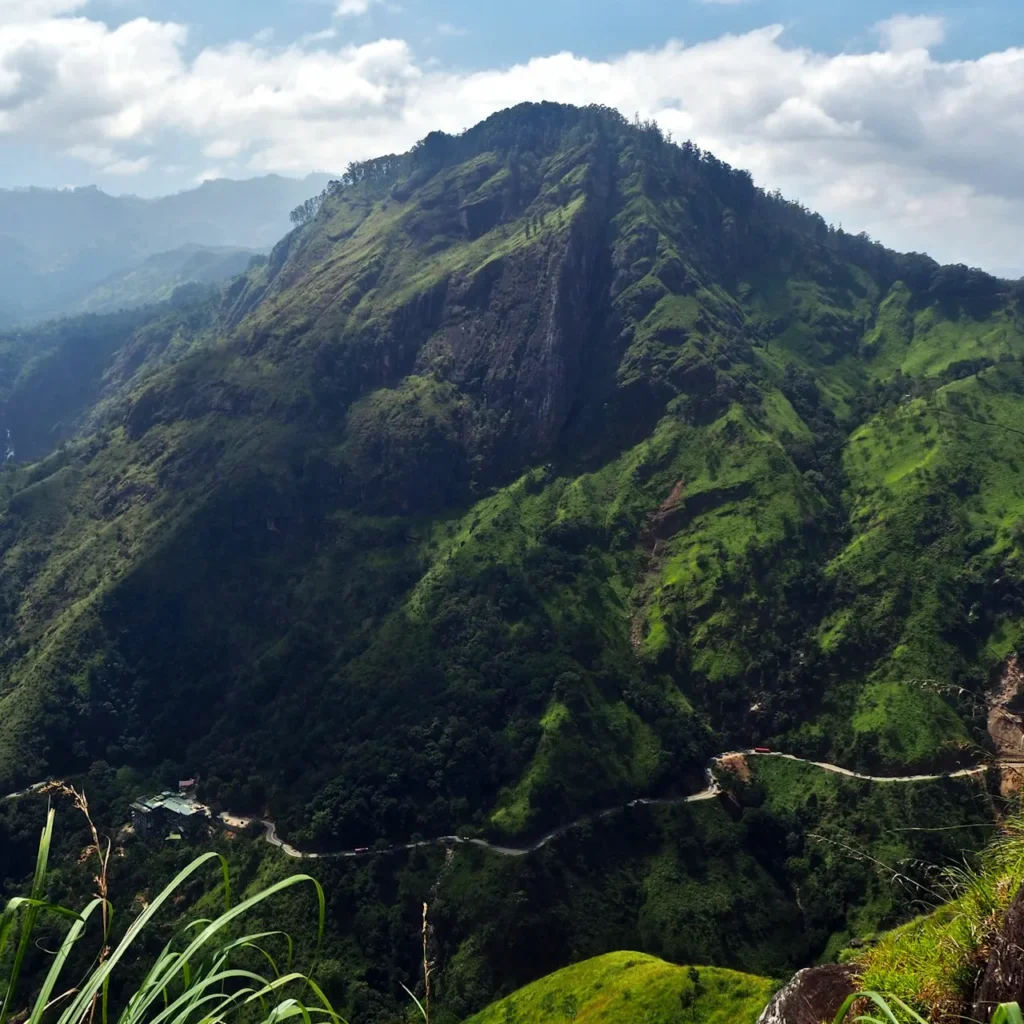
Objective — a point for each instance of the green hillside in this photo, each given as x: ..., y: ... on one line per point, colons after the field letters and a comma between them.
x: 156, y: 278
x: 633, y: 986
x: 540, y: 464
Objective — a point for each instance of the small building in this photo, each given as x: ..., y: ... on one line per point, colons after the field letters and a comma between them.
x: 187, y: 786
x: 157, y: 817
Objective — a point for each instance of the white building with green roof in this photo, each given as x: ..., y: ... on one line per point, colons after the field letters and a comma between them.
x: 157, y: 817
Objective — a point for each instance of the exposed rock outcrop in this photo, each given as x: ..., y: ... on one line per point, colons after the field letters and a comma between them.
x: 665, y: 521
x: 812, y: 996
x: 1006, y: 723
x: 1003, y: 977
x: 736, y: 765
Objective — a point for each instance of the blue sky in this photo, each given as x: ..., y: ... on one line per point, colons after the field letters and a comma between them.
x: 899, y: 117
x: 471, y: 34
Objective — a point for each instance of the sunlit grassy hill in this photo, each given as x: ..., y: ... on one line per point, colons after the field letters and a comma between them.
x: 633, y: 986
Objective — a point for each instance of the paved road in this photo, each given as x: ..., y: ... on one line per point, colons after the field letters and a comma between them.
x: 963, y: 773
x: 709, y: 793
x: 25, y: 792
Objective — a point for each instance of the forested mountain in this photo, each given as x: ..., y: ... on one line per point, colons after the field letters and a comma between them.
x: 58, y: 246
x: 539, y: 464
x: 157, y: 277
x: 531, y: 469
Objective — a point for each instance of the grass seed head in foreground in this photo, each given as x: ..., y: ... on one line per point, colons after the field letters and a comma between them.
x: 198, y: 976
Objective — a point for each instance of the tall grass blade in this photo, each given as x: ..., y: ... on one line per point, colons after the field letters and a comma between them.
x: 32, y: 908
x: 53, y: 975
x: 74, y: 1013
x: 193, y: 985
x: 1007, y: 1013
x: 888, y: 1014
x: 423, y: 1012
x: 199, y: 992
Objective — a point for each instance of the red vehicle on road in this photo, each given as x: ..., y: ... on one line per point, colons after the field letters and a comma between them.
x: 762, y: 750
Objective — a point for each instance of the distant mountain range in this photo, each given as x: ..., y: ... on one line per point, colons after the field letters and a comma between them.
x: 58, y: 246
x: 156, y: 277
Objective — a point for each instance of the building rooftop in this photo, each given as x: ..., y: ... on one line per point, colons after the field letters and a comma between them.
x: 171, y: 802
x: 176, y: 805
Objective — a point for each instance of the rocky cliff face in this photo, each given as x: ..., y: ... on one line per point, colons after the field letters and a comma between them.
x: 514, y: 335
x: 1002, y: 979
x: 812, y: 996
x: 1004, y: 713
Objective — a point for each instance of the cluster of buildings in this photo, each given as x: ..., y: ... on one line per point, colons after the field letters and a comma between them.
x: 171, y: 816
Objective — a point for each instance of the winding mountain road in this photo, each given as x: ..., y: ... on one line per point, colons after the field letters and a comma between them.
x: 712, y: 791
x: 28, y: 791
x: 271, y: 836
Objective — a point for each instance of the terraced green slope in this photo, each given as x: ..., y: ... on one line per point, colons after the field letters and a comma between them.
x: 932, y: 567
x: 544, y: 462
x: 633, y: 986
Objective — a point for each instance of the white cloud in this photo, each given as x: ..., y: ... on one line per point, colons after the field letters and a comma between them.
x: 223, y: 149
x: 98, y: 156
x: 323, y: 36
x: 353, y: 8
x: 106, y: 160
x: 127, y: 168
x: 923, y: 153
x: 911, y: 32
x: 36, y: 10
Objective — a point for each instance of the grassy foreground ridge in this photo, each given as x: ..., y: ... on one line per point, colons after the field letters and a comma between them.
x: 634, y: 986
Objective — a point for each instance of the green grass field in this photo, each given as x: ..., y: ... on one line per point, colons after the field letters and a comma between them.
x: 623, y: 987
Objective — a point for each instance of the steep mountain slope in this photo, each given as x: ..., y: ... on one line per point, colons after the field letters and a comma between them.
x: 64, y: 378
x: 544, y: 462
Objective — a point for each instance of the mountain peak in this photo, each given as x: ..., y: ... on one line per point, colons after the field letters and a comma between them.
x: 555, y: 447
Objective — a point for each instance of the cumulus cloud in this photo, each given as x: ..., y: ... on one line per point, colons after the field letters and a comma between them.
x: 911, y: 32
x: 127, y: 168
x: 106, y: 160
x: 72, y: 81
x: 923, y: 153
x: 36, y: 10
x: 352, y: 8
x: 323, y: 36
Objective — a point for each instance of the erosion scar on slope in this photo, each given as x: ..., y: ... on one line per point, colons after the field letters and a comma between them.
x: 662, y: 523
